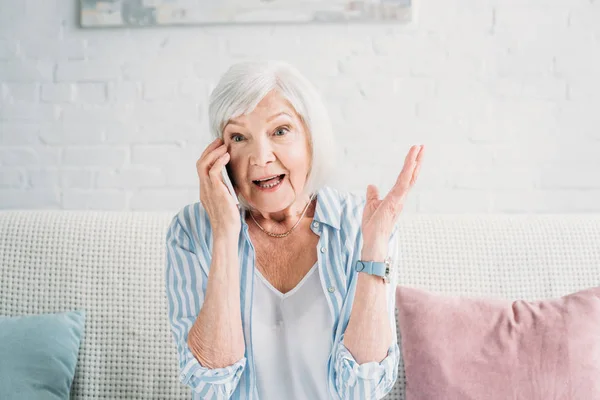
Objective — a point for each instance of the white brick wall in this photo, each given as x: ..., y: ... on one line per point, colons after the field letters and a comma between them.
x: 505, y: 94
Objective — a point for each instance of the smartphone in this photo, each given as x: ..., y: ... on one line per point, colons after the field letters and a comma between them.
x: 229, y: 185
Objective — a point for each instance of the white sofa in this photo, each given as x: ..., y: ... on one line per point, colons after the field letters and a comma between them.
x: 112, y: 265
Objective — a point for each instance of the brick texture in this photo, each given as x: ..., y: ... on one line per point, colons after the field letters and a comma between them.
x: 504, y: 94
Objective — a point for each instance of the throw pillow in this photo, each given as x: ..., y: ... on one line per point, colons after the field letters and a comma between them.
x: 458, y: 348
x: 38, y: 354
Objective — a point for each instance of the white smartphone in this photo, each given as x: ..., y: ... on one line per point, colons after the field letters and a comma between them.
x: 229, y: 185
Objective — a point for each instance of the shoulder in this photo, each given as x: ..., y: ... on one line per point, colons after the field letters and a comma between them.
x: 351, y: 206
x: 345, y: 202
x: 354, y: 204
x: 192, y: 221
x: 188, y: 238
x: 348, y: 207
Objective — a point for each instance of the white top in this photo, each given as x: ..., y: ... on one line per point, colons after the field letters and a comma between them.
x: 292, y: 339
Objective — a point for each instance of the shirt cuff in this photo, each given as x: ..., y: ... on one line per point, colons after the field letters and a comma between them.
x: 223, y: 380
x: 349, y: 371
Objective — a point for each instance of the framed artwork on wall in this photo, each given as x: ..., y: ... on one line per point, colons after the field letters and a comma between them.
x: 110, y: 13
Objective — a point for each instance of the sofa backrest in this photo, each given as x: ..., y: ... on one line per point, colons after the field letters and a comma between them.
x: 112, y: 265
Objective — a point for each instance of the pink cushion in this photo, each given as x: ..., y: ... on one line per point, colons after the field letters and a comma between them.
x: 459, y: 348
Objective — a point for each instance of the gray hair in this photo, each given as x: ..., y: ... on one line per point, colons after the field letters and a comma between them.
x: 245, y: 84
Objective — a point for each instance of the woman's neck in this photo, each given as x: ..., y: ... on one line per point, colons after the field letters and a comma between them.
x: 282, y: 220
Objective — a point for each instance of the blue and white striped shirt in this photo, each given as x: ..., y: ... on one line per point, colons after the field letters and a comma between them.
x: 337, y: 221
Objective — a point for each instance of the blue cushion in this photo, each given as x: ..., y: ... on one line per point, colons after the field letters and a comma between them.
x: 38, y: 354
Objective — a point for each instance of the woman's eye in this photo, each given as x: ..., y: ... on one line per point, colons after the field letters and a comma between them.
x: 282, y: 129
x: 234, y: 136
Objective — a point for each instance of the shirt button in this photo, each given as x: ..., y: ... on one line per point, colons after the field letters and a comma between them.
x: 331, y: 289
x: 323, y: 249
x: 316, y: 224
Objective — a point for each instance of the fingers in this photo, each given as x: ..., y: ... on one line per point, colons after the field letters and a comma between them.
x: 215, y: 170
x: 421, y: 153
x: 412, y: 163
x: 408, y: 175
x: 213, y: 145
x: 414, y: 156
x: 415, y: 174
x: 405, y: 176
x: 418, y: 166
x: 205, y: 163
x: 372, y: 193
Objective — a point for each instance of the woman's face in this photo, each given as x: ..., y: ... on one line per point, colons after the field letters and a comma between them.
x: 270, y: 141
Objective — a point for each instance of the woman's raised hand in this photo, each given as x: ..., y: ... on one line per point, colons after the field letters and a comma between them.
x: 380, y: 216
x: 222, y: 210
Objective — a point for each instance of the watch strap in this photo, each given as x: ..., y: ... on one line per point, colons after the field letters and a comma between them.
x: 377, y: 268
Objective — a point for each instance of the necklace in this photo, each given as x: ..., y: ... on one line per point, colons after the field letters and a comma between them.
x: 280, y: 235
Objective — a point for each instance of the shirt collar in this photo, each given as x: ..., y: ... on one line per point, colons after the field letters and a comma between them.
x: 328, y: 207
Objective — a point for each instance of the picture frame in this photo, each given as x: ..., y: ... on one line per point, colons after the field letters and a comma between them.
x: 129, y: 13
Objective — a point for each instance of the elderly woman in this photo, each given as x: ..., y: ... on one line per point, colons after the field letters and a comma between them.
x: 290, y: 294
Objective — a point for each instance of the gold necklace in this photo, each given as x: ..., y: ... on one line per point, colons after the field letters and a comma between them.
x: 280, y: 235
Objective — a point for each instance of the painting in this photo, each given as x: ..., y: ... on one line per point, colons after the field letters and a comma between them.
x: 110, y: 13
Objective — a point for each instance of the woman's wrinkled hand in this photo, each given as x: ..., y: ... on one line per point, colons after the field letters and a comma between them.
x: 380, y: 216
x: 220, y: 205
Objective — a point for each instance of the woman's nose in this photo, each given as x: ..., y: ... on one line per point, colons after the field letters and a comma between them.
x: 262, y: 153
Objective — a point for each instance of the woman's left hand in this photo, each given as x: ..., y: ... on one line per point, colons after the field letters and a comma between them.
x: 379, y: 216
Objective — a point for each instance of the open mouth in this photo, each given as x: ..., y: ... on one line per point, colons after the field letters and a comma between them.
x: 269, y: 183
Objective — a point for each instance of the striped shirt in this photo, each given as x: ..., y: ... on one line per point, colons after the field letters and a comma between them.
x: 337, y: 222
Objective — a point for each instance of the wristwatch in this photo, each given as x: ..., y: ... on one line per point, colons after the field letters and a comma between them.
x: 377, y: 268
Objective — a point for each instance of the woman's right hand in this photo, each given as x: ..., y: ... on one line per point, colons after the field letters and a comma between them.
x: 222, y: 211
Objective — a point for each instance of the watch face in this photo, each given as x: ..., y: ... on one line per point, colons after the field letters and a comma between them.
x: 388, y: 269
